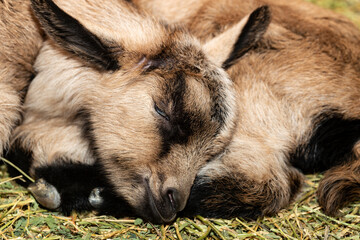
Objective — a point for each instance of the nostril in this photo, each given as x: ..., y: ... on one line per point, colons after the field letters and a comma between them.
x: 174, y: 198
x: 171, y: 197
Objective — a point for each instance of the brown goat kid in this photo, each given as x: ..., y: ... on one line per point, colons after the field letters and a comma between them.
x: 20, y: 41
x: 298, y: 103
x: 119, y: 92
x: 136, y: 116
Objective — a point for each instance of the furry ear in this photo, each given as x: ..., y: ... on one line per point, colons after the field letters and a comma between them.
x: 226, y: 48
x: 73, y: 36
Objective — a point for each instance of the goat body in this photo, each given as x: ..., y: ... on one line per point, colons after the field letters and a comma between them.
x: 140, y: 115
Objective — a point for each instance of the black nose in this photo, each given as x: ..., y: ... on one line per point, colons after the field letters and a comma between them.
x: 163, y: 209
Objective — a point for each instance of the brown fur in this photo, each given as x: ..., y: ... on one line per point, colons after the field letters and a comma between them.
x: 295, y: 82
x: 305, y: 65
x: 153, y: 65
x: 20, y: 40
x: 340, y: 186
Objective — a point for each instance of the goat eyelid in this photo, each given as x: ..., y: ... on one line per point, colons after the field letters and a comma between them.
x: 161, y: 112
x: 142, y: 63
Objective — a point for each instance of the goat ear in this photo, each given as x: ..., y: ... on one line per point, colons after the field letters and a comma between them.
x: 73, y: 36
x: 232, y: 44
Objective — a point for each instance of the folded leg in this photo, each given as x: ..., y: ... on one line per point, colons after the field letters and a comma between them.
x: 55, y: 154
x: 340, y: 185
x: 68, y: 178
x: 230, y: 187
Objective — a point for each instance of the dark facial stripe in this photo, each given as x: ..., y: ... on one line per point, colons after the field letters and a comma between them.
x: 331, y: 143
x: 178, y: 129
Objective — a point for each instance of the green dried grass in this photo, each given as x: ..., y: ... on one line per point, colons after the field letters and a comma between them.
x: 22, y: 218
x: 349, y: 8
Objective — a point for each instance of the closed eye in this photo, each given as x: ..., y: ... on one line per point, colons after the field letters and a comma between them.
x: 161, y: 113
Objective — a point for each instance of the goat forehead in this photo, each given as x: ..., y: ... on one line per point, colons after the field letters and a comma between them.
x: 197, y: 107
x: 198, y: 93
